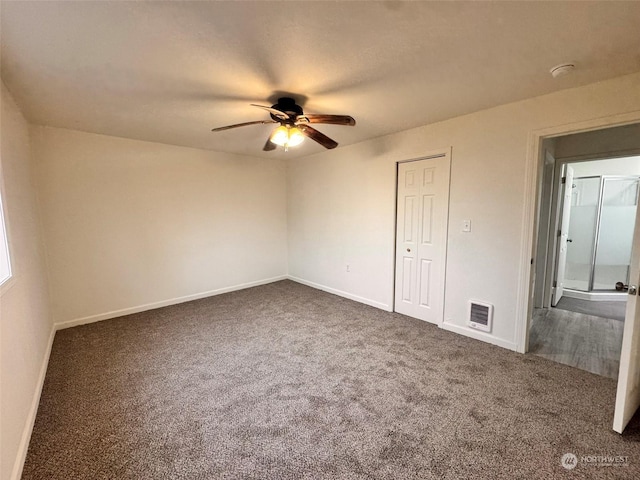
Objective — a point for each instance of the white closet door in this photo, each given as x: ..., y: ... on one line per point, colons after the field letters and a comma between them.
x: 421, y: 237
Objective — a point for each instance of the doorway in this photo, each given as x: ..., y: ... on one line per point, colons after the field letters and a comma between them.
x: 587, y: 218
x: 540, y: 213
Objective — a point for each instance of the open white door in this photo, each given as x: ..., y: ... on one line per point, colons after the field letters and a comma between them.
x: 628, y: 396
x: 567, y: 187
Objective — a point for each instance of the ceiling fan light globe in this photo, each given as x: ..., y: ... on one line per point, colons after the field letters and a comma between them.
x: 295, y: 137
x: 287, y: 136
x: 280, y: 136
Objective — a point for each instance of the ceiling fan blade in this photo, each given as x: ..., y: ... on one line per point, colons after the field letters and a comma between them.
x: 317, y: 136
x: 269, y: 145
x: 220, y: 129
x: 273, y: 111
x: 328, y: 119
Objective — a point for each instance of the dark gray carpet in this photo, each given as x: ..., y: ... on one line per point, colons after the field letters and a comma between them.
x: 286, y: 382
x: 612, y: 310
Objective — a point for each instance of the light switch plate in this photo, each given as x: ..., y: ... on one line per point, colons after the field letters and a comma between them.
x: 466, y: 225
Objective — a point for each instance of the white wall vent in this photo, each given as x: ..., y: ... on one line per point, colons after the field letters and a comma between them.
x: 480, y: 315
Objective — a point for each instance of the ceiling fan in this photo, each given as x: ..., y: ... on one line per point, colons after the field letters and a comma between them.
x: 294, y: 125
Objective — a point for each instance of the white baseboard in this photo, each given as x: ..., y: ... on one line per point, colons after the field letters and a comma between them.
x: 596, y: 296
x: 33, y: 410
x: 483, y: 337
x: 164, y: 303
x: 340, y: 293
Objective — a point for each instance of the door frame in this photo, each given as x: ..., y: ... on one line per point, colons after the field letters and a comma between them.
x: 445, y: 153
x: 529, y: 239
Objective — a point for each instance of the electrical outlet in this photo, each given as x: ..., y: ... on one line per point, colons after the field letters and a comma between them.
x: 348, y: 267
x: 466, y: 225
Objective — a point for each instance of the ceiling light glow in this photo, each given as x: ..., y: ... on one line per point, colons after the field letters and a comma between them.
x: 287, y: 136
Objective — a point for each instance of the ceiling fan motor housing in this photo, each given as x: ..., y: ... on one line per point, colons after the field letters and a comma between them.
x: 288, y: 106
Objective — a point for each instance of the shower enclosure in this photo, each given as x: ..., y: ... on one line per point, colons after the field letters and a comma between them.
x: 603, y: 210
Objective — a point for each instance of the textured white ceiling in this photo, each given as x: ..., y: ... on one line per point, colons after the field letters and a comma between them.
x: 170, y: 71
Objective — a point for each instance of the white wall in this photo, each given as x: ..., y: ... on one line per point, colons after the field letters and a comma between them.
x: 25, y: 323
x: 341, y: 203
x: 338, y: 216
x: 131, y: 225
x: 612, y: 166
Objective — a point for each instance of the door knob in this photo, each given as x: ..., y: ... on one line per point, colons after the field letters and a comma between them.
x: 633, y: 289
x: 621, y: 287
x: 408, y: 250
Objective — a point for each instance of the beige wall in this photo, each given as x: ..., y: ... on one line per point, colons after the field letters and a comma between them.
x: 25, y: 322
x: 341, y: 203
x: 131, y: 225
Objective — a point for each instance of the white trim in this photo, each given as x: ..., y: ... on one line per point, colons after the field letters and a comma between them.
x: 7, y: 284
x: 527, y: 243
x: 6, y: 251
x: 21, y: 455
x: 428, y: 156
x: 164, y: 303
x: 475, y: 334
x: 595, y: 296
x: 446, y: 242
x: 340, y: 293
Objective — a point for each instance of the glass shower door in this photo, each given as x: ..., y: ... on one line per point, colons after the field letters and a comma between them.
x: 615, y: 233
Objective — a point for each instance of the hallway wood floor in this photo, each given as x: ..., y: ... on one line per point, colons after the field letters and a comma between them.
x: 582, y: 341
